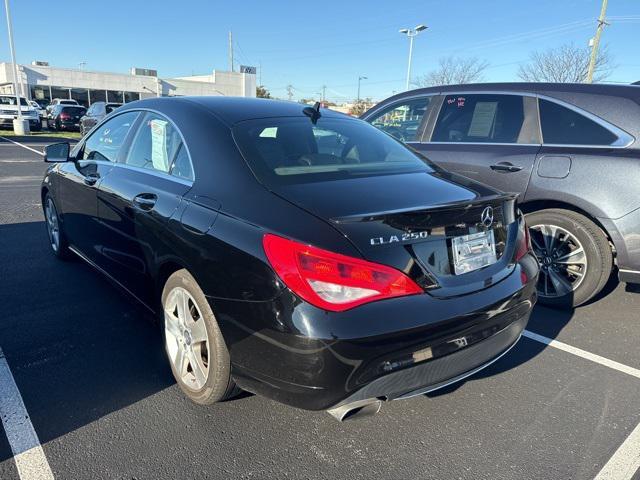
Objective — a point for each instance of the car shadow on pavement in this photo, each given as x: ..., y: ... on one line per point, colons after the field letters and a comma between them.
x: 77, y: 347
x: 544, y: 321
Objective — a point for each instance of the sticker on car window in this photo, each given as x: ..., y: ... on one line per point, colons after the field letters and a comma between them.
x: 159, y: 155
x: 484, y: 115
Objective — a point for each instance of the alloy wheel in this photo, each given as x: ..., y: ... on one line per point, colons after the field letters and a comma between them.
x: 186, y: 339
x: 563, y: 261
x: 53, y: 227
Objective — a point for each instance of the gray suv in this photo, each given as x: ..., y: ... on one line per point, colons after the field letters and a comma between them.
x: 572, y: 153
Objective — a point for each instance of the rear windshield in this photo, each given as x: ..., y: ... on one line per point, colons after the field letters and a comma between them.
x: 68, y: 102
x: 110, y: 107
x: 74, y: 110
x: 12, y: 101
x: 290, y: 150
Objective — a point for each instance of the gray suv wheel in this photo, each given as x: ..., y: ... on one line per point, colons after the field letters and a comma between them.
x: 574, y: 254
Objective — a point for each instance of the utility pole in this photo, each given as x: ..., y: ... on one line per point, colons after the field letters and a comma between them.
x: 411, y: 32
x: 20, y: 125
x: 230, y: 51
x: 324, y: 92
x: 596, y: 41
x: 360, y: 78
x: 290, y: 91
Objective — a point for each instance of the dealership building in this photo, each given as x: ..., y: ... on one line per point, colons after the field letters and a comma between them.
x: 42, y: 83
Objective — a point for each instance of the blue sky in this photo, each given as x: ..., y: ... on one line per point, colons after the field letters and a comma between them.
x: 310, y: 44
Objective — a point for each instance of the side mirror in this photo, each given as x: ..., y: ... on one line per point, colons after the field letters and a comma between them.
x: 57, y: 152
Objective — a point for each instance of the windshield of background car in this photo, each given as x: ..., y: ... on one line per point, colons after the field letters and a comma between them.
x: 12, y: 101
x: 291, y: 150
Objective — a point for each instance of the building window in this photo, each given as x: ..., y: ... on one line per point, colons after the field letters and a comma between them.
x: 114, y: 96
x: 40, y: 94
x: 60, y: 92
x: 131, y: 96
x: 81, y: 96
x: 98, y: 96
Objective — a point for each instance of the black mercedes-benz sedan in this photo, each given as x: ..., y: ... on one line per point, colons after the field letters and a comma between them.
x: 292, y: 251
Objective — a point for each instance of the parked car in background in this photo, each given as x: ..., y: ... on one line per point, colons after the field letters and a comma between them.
x: 349, y: 271
x: 41, y: 111
x: 60, y: 101
x: 65, y: 117
x: 572, y: 153
x: 96, y: 112
x: 9, y: 111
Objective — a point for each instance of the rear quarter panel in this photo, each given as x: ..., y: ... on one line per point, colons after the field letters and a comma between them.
x: 602, y: 182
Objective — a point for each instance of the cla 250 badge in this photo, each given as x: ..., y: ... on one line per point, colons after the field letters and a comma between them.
x: 405, y: 237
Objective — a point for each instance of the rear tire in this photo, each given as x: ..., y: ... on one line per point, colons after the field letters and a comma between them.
x: 195, y: 348
x: 55, y: 229
x: 574, y: 254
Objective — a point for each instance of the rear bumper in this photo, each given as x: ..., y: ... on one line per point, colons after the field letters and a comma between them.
x: 440, y: 372
x: 70, y: 126
x: 625, y: 235
x: 294, y: 353
x: 8, y: 122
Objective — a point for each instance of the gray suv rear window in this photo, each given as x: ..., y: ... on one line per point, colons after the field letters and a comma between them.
x: 563, y: 126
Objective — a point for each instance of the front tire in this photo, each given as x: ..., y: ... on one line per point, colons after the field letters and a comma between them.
x: 194, y: 345
x: 574, y: 255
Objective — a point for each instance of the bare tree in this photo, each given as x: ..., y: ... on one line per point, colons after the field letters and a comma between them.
x: 565, y: 64
x: 360, y: 106
x: 454, y: 70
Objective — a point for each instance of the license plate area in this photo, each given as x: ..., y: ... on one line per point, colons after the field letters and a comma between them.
x: 474, y: 251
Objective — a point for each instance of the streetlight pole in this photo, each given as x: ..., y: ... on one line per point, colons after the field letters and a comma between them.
x: 359, y: 79
x: 19, y: 126
x: 411, y: 32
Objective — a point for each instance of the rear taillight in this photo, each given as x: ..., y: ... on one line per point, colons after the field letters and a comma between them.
x: 523, y: 242
x: 332, y: 281
x: 65, y: 116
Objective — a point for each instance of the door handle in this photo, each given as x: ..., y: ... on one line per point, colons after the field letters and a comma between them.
x: 506, y: 167
x: 145, y: 201
x: 91, y: 179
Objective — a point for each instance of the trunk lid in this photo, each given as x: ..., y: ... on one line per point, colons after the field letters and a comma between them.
x: 408, y: 221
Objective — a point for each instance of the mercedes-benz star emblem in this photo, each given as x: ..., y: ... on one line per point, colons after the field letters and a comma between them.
x: 487, y: 217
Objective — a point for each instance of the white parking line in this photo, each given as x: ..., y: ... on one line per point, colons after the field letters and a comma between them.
x: 625, y: 462
x: 25, y: 445
x: 20, y: 161
x: 23, y: 146
x: 634, y: 372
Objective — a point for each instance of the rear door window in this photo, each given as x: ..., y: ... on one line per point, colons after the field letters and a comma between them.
x: 158, y: 146
x: 482, y: 118
x: 402, y: 120
x: 563, y: 126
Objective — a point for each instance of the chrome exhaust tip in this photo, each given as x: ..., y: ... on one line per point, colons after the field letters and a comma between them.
x: 355, y: 410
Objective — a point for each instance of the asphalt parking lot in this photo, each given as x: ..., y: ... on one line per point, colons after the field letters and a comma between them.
x: 89, y: 367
